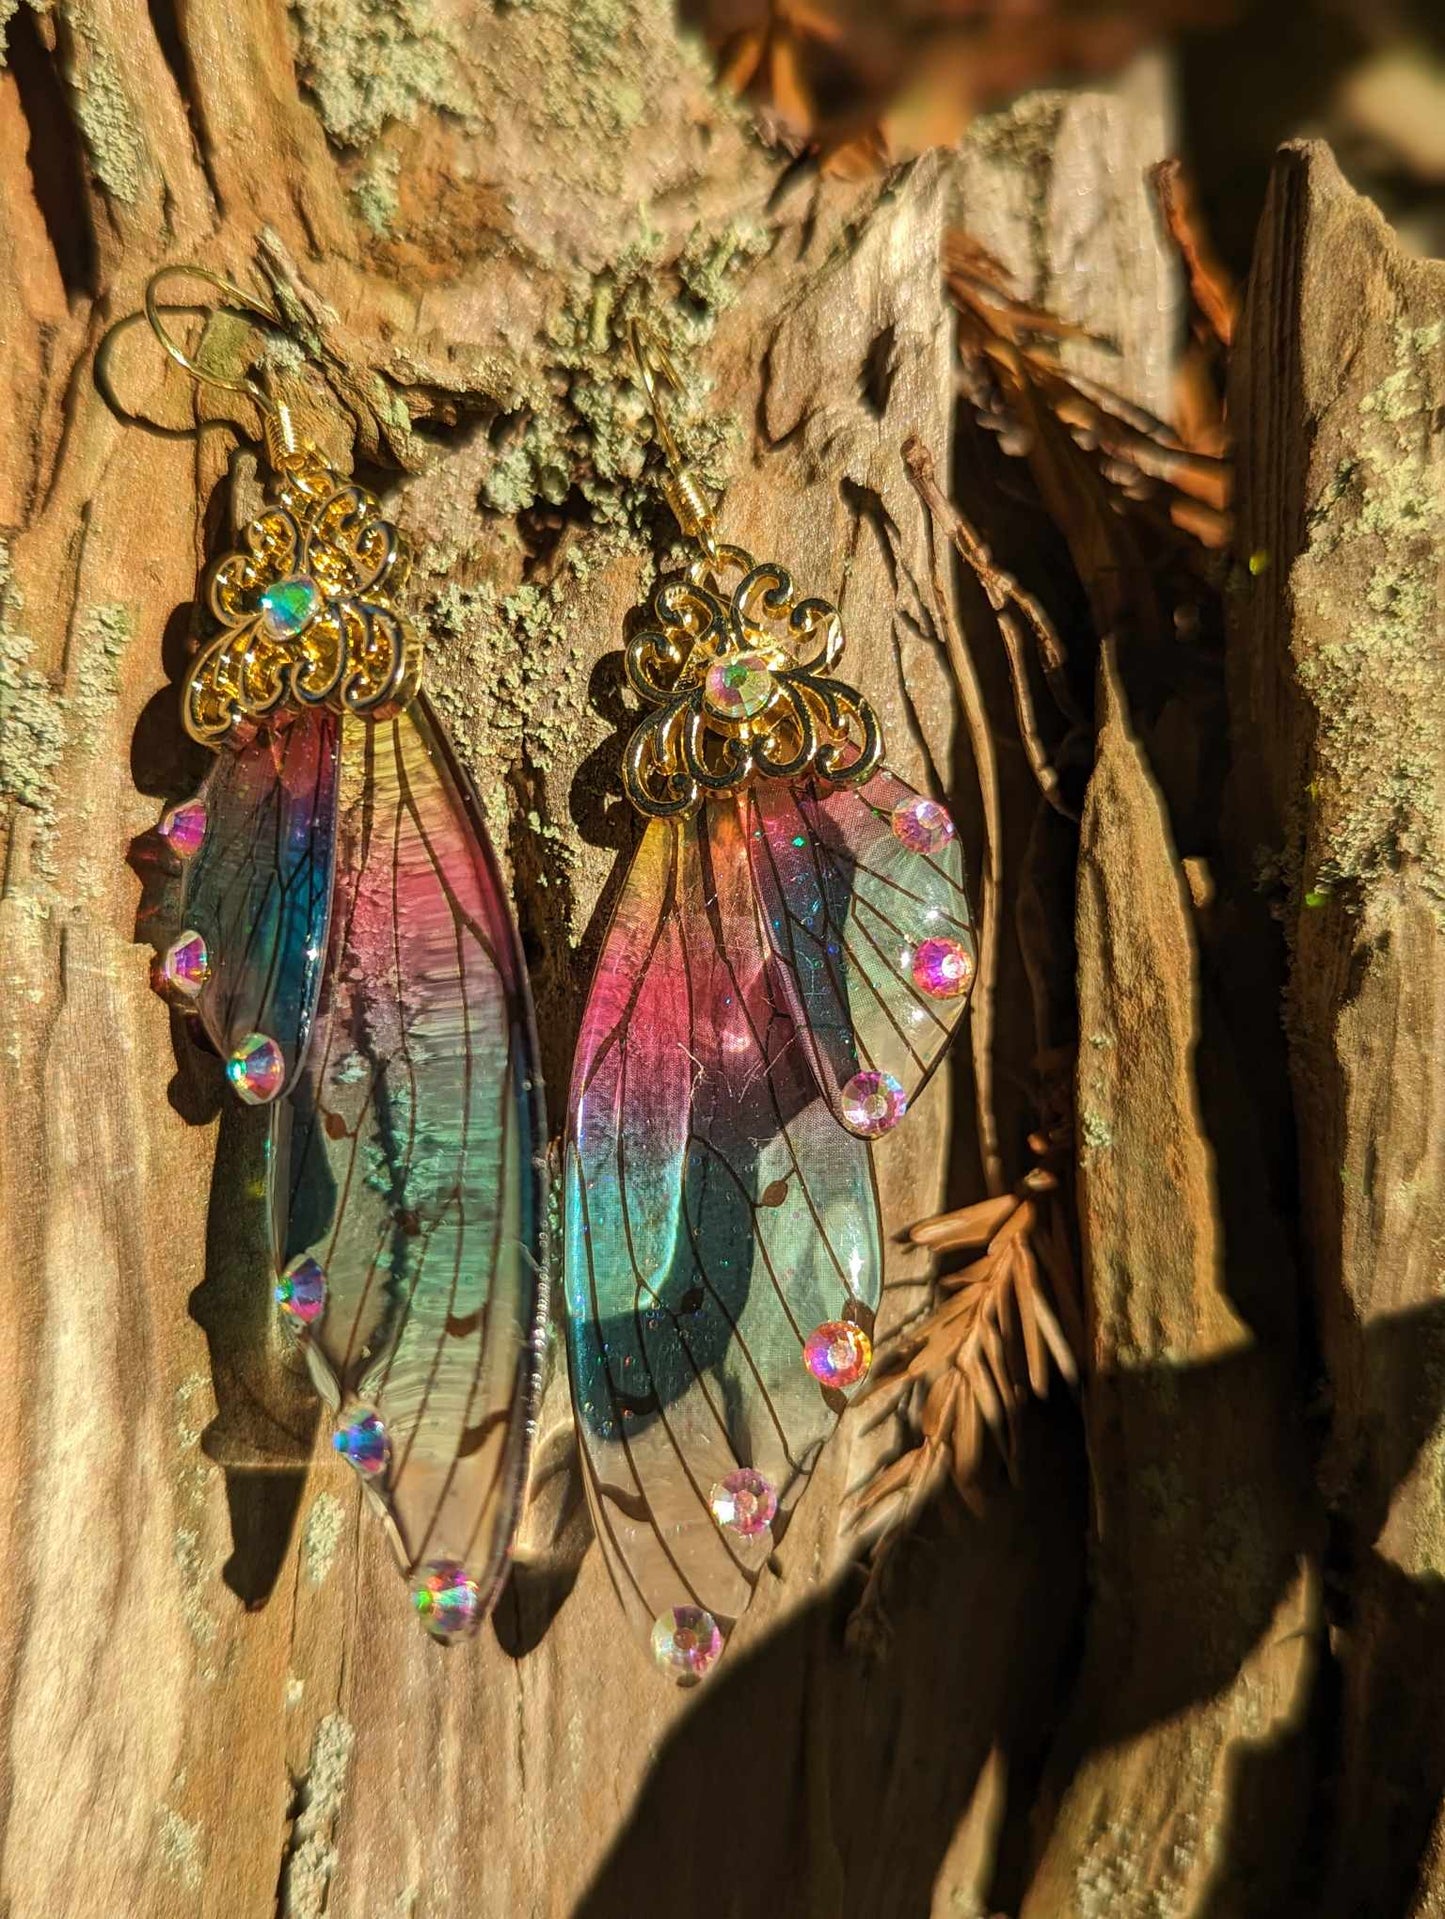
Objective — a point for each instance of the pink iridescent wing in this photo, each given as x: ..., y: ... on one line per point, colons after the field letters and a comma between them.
x: 863, y: 893
x: 408, y: 1170
x: 715, y: 1216
x: 257, y: 887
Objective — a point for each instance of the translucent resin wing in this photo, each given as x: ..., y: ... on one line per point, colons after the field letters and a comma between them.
x: 716, y: 1216
x: 257, y: 892
x: 408, y: 1166
x: 863, y: 894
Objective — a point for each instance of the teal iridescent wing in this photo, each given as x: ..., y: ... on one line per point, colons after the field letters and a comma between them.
x: 715, y: 1217
x: 863, y: 893
x: 258, y: 888
x: 409, y: 1163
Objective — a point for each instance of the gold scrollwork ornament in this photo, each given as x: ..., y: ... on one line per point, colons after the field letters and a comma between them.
x: 741, y: 678
x: 306, y: 610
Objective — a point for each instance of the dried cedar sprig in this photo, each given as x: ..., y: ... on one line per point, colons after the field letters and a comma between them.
x: 1001, y: 1327
x: 1078, y: 435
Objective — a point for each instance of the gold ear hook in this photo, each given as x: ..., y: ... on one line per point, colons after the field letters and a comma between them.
x: 280, y: 432
x: 681, y: 488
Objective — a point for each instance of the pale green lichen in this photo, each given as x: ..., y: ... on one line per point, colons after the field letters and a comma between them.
x: 584, y: 447
x: 191, y: 1407
x: 375, y: 189
x: 40, y: 723
x: 1024, y: 133
x: 1377, y: 692
x: 109, y: 124
x: 7, y: 14
x: 1018, y: 145
x: 1095, y: 1132
x: 32, y: 727
x: 368, y: 63
x: 104, y: 635
x: 311, y: 1858
x: 595, y: 436
x: 182, y: 1849
x: 591, y: 68
x: 598, y: 83
x: 1125, y: 1870
x: 321, y: 1536
x: 518, y: 678
x: 191, y: 1564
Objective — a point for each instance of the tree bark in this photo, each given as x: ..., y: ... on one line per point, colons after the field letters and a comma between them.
x: 213, y: 1703
x: 1339, y: 690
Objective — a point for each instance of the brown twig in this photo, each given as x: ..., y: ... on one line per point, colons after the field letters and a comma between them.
x: 1010, y: 602
x: 919, y: 462
x: 1210, y: 286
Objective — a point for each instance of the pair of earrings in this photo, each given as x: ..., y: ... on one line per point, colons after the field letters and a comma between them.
x: 789, y: 954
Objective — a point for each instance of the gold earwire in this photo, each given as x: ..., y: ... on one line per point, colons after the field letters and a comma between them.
x: 280, y: 428
x: 681, y: 489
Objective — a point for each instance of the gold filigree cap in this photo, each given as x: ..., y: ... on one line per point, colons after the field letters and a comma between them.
x: 306, y: 609
x: 306, y: 604
x: 741, y: 677
x: 738, y: 666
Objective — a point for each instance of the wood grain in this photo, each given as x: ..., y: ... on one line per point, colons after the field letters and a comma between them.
x: 1149, y: 1678
x: 1203, y: 1637
x: 1339, y: 687
x: 201, y: 1635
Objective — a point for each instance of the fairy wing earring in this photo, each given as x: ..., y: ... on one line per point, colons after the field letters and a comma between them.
x: 790, y: 952
x: 349, y: 951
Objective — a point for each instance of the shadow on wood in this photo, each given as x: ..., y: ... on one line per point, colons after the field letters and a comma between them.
x: 807, y: 1779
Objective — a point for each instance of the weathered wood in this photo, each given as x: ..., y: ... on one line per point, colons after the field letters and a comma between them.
x: 1057, y: 189
x: 1339, y: 686
x: 1203, y: 1633
x: 213, y: 1701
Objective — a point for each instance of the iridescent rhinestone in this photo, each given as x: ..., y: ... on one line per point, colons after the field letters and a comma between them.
x: 301, y: 1290
x: 838, y: 1353
x: 257, y: 1069
x: 448, y: 1600
x: 943, y: 968
x: 738, y: 688
x: 744, y: 1502
x: 364, y: 1444
x: 186, y: 966
x: 922, y: 825
x: 873, y: 1103
x: 686, y: 1641
x: 183, y: 828
x: 288, y: 605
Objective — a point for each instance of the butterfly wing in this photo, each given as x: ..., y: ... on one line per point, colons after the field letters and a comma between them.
x: 863, y: 894
x: 409, y: 1161
x: 715, y: 1216
x: 258, y: 890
